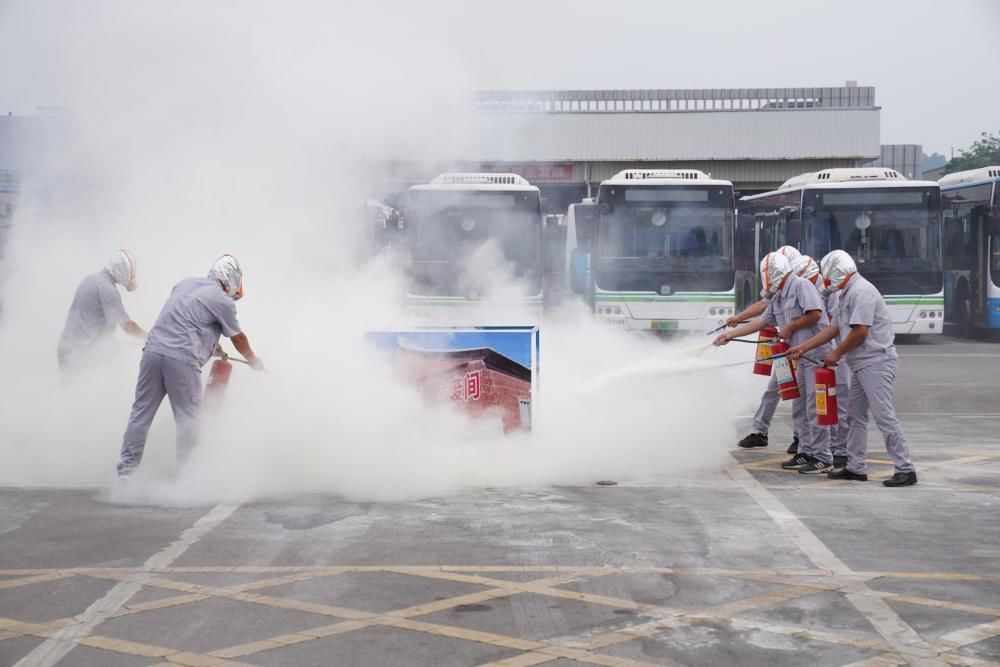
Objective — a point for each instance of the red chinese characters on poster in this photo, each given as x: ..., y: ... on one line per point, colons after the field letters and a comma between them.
x: 472, y: 385
x: 467, y: 387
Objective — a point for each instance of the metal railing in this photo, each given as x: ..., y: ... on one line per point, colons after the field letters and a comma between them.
x: 666, y: 100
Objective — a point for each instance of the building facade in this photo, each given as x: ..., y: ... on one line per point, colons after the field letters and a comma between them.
x: 568, y: 141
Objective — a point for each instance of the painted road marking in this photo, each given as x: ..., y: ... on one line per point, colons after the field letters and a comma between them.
x: 896, y: 632
x: 896, y: 644
x: 55, y: 648
x: 798, y: 582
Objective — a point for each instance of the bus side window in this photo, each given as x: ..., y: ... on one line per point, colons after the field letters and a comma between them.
x: 793, y: 228
x: 957, y: 236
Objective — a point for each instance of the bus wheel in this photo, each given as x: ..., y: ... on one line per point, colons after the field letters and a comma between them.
x: 965, y: 317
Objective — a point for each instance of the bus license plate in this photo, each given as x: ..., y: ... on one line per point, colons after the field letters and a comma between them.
x: 663, y: 325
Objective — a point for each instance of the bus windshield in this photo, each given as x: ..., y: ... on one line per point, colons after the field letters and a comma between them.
x: 665, y: 238
x: 894, y: 234
x: 460, y: 240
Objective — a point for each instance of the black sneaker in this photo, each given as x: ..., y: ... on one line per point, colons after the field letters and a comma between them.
x: 844, y: 473
x: 901, y: 479
x: 815, y: 467
x: 797, y: 461
x: 794, y: 447
x: 753, y: 440
x: 839, y: 461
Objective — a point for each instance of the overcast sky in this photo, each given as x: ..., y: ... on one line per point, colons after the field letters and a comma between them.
x: 935, y: 65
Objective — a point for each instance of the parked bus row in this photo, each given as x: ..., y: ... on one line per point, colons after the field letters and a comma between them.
x: 672, y: 249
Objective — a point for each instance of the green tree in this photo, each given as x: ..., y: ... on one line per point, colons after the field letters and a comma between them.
x: 982, y: 153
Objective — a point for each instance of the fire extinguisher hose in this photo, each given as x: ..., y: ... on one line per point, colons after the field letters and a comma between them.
x: 803, y: 356
x: 718, y: 329
x: 226, y: 357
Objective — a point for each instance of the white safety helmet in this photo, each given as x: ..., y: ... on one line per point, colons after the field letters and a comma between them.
x: 122, y: 267
x: 791, y: 252
x: 836, y: 269
x: 806, y: 267
x: 773, y: 270
x: 227, y: 271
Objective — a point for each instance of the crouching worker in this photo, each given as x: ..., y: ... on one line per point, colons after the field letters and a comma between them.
x: 796, y: 308
x: 182, y: 340
x: 861, y: 319
x: 96, y: 310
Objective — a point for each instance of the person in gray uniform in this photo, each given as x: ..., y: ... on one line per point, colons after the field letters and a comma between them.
x: 183, y: 338
x: 95, y: 312
x: 806, y: 267
x: 770, y: 398
x: 861, y: 319
x: 797, y: 309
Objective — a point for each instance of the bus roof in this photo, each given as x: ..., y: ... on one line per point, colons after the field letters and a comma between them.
x: 970, y: 177
x: 663, y: 177
x: 836, y: 179
x: 478, y: 181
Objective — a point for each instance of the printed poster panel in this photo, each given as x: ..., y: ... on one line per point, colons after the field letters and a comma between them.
x: 490, y: 373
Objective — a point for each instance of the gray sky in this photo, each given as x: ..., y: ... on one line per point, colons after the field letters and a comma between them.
x: 935, y: 65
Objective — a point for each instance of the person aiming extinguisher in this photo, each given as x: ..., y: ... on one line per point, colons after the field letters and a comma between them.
x: 806, y: 267
x: 769, y: 400
x: 183, y: 338
x: 861, y: 319
x: 797, y: 309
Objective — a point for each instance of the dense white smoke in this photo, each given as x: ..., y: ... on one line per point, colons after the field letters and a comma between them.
x: 203, y: 128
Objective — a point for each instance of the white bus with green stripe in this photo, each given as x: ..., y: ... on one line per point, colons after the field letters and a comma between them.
x: 654, y: 251
x: 890, y: 225
x: 474, y: 251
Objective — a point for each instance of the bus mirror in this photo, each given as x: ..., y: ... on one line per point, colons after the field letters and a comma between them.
x: 579, y: 271
x: 585, y: 219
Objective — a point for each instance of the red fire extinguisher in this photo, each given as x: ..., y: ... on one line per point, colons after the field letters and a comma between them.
x: 784, y: 371
x: 826, y: 396
x: 218, y: 378
x: 764, y: 351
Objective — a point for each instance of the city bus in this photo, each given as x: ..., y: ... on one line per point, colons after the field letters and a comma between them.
x: 890, y: 225
x: 971, y: 248
x: 476, y: 249
x: 654, y: 250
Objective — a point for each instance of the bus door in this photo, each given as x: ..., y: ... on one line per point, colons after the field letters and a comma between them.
x: 980, y: 272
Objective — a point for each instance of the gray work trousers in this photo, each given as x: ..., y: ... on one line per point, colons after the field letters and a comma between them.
x: 161, y: 376
x: 871, y: 387
x: 765, y: 411
x: 838, y: 433
x: 814, y: 439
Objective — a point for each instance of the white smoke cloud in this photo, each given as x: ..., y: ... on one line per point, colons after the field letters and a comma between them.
x: 202, y: 128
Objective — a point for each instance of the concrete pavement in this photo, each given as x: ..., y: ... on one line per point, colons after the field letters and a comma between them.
x: 748, y: 564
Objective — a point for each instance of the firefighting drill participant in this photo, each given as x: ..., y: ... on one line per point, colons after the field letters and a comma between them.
x: 182, y: 340
x: 797, y: 309
x: 769, y: 400
x: 806, y: 267
x: 861, y: 319
x: 96, y: 310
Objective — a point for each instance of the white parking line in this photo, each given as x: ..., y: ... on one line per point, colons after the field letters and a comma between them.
x: 55, y: 648
x: 893, y: 629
